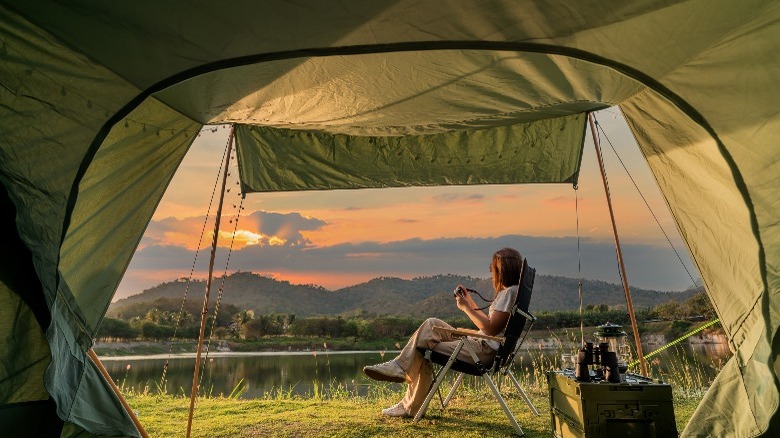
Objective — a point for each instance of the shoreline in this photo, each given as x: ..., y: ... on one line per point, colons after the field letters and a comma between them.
x: 239, y: 354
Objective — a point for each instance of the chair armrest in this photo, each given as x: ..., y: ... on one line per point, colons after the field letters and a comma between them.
x: 460, y: 332
x: 527, y: 315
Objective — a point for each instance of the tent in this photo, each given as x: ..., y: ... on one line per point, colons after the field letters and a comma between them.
x: 100, y: 101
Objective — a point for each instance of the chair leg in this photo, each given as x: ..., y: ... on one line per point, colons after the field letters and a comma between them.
x: 522, y: 393
x: 434, y: 374
x: 501, y: 401
x: 452, y: 391
x: 440, y: 377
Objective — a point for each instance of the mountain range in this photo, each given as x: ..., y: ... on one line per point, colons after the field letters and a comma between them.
x: 418, y: 297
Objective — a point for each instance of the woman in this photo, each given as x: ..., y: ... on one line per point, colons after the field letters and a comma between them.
x: 410, y: 365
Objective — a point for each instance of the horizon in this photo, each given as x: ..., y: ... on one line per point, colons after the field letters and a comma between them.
x: 345, y: 237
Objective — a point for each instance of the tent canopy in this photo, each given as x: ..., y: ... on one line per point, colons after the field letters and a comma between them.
x: 100, y: 102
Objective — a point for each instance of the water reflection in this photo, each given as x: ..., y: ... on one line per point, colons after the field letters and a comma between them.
x: 259, y: 373
x: 296, y: 373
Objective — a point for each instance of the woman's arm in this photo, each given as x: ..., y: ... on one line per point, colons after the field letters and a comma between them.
x: 490, y: 324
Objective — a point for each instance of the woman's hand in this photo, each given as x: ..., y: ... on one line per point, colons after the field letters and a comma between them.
x: 490, y: 324
x: 463, y: 299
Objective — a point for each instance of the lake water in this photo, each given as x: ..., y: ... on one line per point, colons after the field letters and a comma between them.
x: 260, y: 373
x: 296, y: 372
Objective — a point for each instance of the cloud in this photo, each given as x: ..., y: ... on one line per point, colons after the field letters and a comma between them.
x: 284, y: 227
x: 559, y: 201
x: 257, y: 228
x: 458, y: 197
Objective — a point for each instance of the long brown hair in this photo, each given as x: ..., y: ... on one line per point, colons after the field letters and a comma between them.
x: 505, y: 266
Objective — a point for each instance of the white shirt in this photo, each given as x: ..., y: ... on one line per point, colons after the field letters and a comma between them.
x: 503, y: 302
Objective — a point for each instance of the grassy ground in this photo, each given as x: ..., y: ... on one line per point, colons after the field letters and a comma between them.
x: 472, y: 413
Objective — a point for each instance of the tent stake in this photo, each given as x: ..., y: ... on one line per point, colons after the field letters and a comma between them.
x: 629, y: 303
x: 205, y: 312
x: 118, y: 393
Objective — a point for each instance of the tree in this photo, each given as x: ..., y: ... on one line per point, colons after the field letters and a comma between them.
x: 699, y: 305
x: 669, y: 310
x: 253, y: 329
x: 220, y: 332
x: 238, y: 321
x: 152, y: 315
x: 263, y: 325
x: 116, y: 328
x: 150, y: 330
x: 226, y: 313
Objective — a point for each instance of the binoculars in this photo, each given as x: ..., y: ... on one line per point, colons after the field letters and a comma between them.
x: 604, y: 361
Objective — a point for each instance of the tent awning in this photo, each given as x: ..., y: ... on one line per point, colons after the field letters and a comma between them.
x: 545, y: 151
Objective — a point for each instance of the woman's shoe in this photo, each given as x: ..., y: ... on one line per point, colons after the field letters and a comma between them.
x: 397, y: 410
x: 388, y: 371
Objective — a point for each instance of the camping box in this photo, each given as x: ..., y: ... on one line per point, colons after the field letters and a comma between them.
x: 637, y: 407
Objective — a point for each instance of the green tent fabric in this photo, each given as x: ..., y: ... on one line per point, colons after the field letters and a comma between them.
x: 100, y: 101
x: 542, y: 151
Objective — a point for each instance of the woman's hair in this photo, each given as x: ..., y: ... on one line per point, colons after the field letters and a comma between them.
x: 505, y: 266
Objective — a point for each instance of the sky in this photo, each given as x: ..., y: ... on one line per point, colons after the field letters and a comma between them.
x: 345, y: 237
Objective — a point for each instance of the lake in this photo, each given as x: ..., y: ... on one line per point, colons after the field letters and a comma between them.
x: 295, y: 373
x: 261, y: 373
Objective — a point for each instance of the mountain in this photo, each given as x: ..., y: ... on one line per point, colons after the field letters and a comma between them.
x: 419, y: 297
x: 560, y: 293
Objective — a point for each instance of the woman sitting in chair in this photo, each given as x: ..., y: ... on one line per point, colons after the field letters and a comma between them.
x: 410, y: 365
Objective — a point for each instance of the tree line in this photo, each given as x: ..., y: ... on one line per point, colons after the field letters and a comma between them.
x: 163, y: 320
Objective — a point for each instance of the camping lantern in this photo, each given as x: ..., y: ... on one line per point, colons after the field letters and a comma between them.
x: 615, y: 337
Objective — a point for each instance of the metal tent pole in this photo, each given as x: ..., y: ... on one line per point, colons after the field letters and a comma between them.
x: 113, y: 386
x: 194, y: 393
x: 629, y: 303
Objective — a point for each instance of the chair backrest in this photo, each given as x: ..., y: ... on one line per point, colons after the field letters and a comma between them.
x: 517, y: 321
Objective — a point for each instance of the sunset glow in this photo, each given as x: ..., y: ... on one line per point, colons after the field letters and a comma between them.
x: 242, y: 238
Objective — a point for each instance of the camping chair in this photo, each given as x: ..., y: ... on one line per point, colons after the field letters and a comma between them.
x: 514, y: 336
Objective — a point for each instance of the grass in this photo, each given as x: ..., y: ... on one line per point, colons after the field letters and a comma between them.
x: 339, y: 412
x: 468, y: 415
x: 472, y: 414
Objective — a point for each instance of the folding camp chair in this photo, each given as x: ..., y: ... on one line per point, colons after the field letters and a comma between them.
x: 514, y: 335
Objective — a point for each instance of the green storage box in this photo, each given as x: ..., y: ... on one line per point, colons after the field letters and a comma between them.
x: 638, y: 407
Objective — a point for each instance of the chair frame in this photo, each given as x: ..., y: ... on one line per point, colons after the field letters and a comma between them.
x: 501, y: 366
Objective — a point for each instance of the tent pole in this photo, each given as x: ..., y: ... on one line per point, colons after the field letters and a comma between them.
x: 629, y: 302
x: 118, y: 393
x: 205, y: 312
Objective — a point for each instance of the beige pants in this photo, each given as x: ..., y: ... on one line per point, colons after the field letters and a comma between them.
x: 419, y: 371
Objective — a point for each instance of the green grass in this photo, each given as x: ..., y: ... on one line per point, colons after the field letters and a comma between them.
x: 340, y: 413
x: 467, y: 416
x: 337, y: 410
